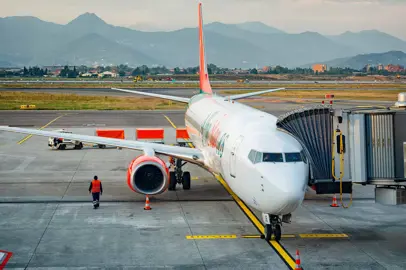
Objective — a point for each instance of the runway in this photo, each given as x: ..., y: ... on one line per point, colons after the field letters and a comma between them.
x: 48, y: 220
x: 131, y: 118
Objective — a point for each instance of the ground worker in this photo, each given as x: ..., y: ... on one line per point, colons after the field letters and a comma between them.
x: 96, y: 189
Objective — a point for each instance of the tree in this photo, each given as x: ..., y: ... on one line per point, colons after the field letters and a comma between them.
x: 254, y: 71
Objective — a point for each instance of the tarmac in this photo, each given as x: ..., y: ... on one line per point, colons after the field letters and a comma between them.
x: 48, y: 221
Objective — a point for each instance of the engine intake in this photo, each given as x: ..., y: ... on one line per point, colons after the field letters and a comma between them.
x: 148, y: 175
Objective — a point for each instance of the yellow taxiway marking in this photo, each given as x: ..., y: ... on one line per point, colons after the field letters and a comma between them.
x: 324, y: 235
x: 285, y: 236
x: 277, y: 247
x: 174, y: 126
x: 170, y: 122
x: 195, y: 178
x: 231, y: 236
x: 227, y: 236
x: 29, y: 136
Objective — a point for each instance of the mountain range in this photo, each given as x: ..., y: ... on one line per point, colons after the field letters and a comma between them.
x: 89, y: 40
x: 374, y: 59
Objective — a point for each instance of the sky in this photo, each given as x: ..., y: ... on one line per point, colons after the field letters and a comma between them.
x: 293, y: 16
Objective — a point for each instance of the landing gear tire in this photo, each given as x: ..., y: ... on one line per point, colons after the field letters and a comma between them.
x: 186, y: 180
x: 79, y: 146
x: 268, y: 232
x: 172, y: 181
x: 278, y: 232
x: 62, y: 147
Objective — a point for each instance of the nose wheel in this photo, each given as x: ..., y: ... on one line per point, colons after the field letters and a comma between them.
x: 273, y: 227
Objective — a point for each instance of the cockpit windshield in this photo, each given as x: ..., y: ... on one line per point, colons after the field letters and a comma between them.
x: 272, y: 157
x: 258, y: 157
x: 293, y: 157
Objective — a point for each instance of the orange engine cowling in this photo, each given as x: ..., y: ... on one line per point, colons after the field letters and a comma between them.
x: 148, y: 175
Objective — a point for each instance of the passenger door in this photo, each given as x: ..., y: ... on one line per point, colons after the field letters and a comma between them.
x: 233, y: 155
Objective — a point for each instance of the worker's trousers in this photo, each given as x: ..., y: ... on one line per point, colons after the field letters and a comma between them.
x: 96, y: 197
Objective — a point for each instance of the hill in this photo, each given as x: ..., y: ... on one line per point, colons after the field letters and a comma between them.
x: 89, y: 40
x: 374, y: 59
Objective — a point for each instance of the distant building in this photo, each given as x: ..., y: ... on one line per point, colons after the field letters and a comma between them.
x: 108, y: 74
x: 380, y: 67
x: 320, y: 68
x: 367, y: 68
x: 394, y: 68
x: 266, y: 69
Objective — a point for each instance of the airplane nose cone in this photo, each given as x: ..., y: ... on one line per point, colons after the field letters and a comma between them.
x: 288, y: 188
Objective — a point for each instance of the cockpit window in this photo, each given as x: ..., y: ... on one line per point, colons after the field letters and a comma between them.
x: 293, y: 157
x: 258, y: 157
x: 272, y: 157
x: 251, y: 155
x: 304, y: 158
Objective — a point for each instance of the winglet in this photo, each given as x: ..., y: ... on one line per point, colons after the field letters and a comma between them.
x: 204, y: 76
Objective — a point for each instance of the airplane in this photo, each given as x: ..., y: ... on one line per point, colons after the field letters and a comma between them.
x: 264, y: 166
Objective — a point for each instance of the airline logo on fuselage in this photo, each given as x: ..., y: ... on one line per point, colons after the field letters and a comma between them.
x: 211, y: 133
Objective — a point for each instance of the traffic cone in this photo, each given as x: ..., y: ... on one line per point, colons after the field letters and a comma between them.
x: 334, y: 202
x: 147, y: 207
x: 298, y: 267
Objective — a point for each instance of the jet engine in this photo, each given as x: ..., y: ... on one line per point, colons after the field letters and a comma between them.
x: 148, y: 175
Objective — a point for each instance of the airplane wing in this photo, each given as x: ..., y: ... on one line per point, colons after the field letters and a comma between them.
x: 174, y: 98
x: 235, y: 97
x: 191, y: 155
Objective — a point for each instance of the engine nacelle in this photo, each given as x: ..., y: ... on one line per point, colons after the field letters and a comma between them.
x: 148, y: 175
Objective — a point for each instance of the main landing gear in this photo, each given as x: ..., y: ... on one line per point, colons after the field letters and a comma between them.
x: 178, y: 176
x: 273, y: 225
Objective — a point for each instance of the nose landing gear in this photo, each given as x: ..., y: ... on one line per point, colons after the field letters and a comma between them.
x: 272, y: 227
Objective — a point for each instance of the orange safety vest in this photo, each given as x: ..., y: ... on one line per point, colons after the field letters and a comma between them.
x: 96, y: 186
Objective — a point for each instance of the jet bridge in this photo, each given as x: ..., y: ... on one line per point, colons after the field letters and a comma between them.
x: 358, y: 145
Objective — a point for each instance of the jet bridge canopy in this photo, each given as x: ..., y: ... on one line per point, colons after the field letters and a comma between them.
x: 312, y: 127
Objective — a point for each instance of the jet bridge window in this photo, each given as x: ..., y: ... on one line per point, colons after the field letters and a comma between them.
x: 272, y: 157
x: 293, y: 157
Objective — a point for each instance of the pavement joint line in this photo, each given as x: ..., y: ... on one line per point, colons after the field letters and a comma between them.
x: 73, y: 176
x: 29, y: 136
x: 42, y: 236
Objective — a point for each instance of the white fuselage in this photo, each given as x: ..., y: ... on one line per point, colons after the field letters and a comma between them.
x: 227, y: 131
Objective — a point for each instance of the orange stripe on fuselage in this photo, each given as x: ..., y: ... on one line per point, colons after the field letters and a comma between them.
x: 204, y: 76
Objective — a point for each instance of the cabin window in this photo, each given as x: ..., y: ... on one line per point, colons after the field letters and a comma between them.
x: 293, y: 157
x: 272, y: 157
